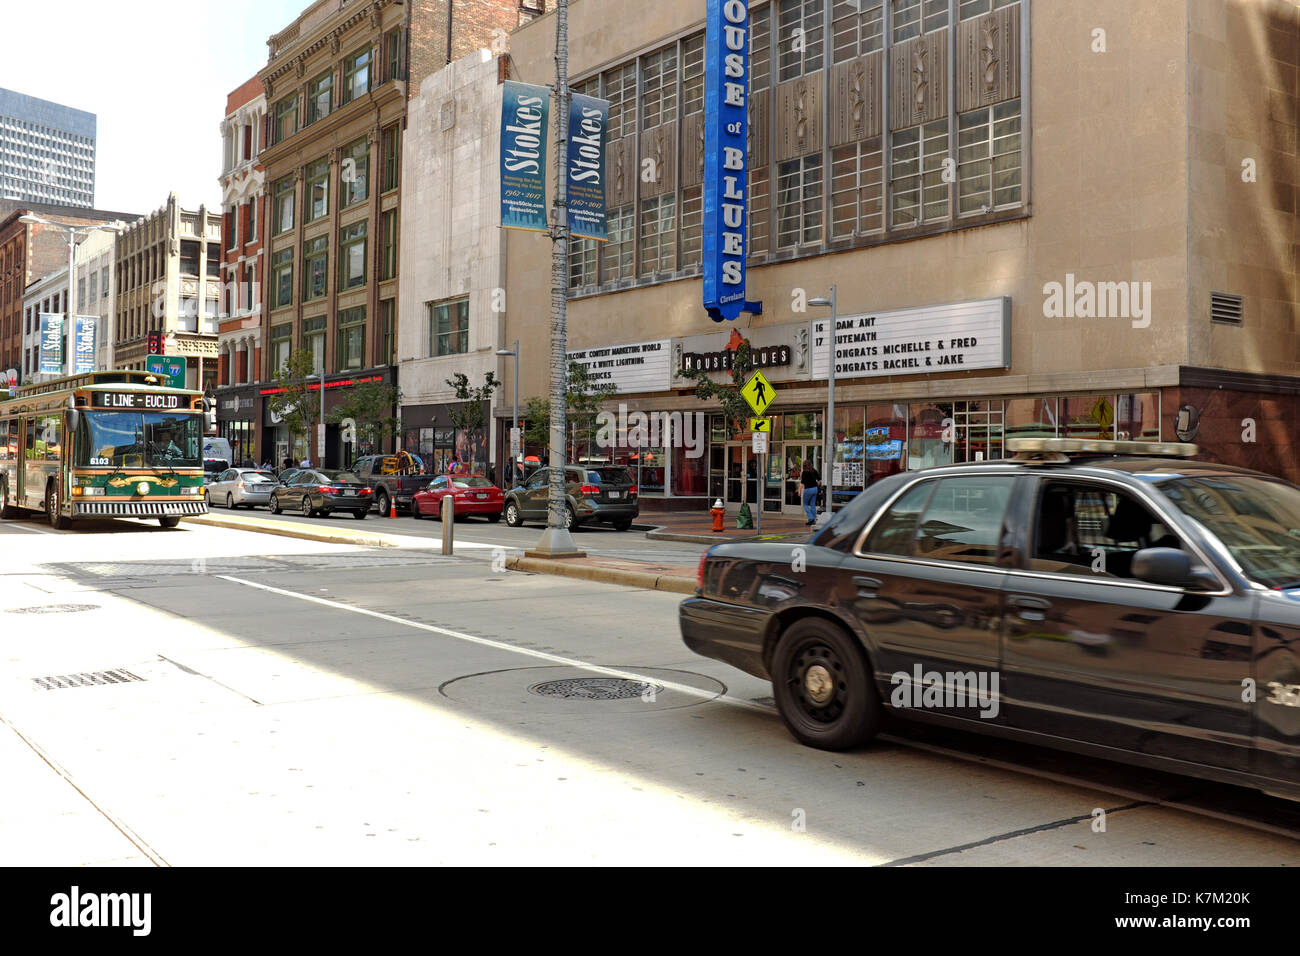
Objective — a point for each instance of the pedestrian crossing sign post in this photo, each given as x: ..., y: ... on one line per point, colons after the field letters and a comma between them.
x: 759, y: 393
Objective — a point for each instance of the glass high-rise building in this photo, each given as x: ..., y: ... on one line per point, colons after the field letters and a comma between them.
x: 47, y: 151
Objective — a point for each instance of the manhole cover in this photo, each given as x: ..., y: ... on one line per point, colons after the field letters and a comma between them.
x: 87, y: 679
x: 52, y: 609
x: 595, y: 688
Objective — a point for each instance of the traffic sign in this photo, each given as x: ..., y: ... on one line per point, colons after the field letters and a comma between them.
x: 760, y: 442
x: 760, y: 425
x: 759, y: 393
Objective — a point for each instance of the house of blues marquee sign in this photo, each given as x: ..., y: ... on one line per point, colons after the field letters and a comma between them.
x: 726, y: 89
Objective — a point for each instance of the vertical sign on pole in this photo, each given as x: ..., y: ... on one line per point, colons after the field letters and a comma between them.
x: 85, y: 338
x: 585, y: 169
x: 51, y: 344
x: 524, y: 109
x: 726, y: 86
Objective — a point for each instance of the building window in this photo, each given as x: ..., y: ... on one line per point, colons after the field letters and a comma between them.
x: 659, y: 87
x: 857, y: 27
x: 315, y: 268
x: 318, y: 191
x: 388, y: 244
x: 692, y: 226
x: 93, y: 288
x: 356, y: 75
x: 799, y: 42
x: 988, y: 158
x: 388, y: 321
x: 693, y: 74
x: 975, y: 8
x: 760, y: 210
x: 283, y: 192
x: 582, y: 263
x: 919, y: 193
x: 911, y: 18
x: 231, y: 227
x: 392, y: 157
x: 857, y: 190
x: 282, y: 278
x: 286, y: 118
x: 189, y: 257
x: 393, y: 54
x: 620, y: 90
x: 313, y: 340
x: 355, y: 174
x: 213, y: 263
x: 81, y: 294
x: 281, y: 344
x: 658, y: 234
x: 248, y: 290
x: 616, y: 257
x: 352, y: 338
x: 799, y: 199
x: 320, y: 93
x: 352, y: 255
x: 448, y: 327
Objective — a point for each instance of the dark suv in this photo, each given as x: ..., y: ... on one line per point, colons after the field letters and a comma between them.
x: 597, y: 493
x: 1110, y: 598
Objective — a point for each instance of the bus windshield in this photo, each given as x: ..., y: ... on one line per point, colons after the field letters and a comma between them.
x: 138, y: 440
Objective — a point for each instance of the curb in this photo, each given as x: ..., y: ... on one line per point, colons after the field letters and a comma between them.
x: 296, y: 531
x: 652, y: 580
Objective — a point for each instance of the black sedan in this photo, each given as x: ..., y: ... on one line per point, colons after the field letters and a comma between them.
x: 322, y: 491
x: 1109, y: 598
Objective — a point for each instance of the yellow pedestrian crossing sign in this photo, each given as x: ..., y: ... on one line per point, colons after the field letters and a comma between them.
x: 760, y: 425
x: 758, y: 391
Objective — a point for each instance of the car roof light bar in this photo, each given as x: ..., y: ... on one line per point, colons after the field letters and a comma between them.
x: 1044, y: 451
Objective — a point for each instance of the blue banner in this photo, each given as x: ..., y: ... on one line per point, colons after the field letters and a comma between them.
x: 524, y: 109
x: 726, y: 87
x: 85, y: 342
x: 51, y: 344
x: 585, y: 169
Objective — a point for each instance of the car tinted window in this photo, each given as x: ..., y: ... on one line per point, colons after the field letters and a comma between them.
x: 1082, y: 528
x: 963, y: 519
x: 538, y: 479
x: 610, y: 476
x: 895, y: 530
x: 437, y: 483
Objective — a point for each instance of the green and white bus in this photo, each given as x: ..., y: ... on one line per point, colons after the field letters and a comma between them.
x: 102, y: 445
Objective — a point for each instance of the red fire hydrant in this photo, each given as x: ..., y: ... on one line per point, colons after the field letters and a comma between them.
x: 718, y: 513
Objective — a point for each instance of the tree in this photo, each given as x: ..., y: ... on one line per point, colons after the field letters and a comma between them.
x: 293, y: 400
x: 470, y: 416
x: 734, y: 406
x: 537, y: 424
x: 370, y: 405
x: 584, y: 398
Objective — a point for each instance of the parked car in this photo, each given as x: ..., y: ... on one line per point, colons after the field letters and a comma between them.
x: 1108, y: 598
x: 394, y: 478
x: 471, y: 495
x: 322, y: 491
x: 604, y: 494
x: 234, y: 487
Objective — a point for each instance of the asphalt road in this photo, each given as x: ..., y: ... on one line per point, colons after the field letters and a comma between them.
x: 292, y: 702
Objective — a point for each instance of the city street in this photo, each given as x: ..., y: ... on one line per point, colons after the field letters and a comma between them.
x: 279, y: 701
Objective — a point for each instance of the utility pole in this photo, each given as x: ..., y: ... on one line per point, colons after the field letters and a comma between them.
x: 556, y: 542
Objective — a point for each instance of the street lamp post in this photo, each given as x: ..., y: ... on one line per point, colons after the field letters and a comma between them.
x: 69, y: 330
x: 828, y: 459
x: 515, y: 417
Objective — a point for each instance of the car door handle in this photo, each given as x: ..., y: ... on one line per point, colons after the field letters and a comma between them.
x: 867, y: 587
x: 1030, y: 608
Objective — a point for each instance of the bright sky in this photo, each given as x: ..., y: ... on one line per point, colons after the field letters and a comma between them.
x: 156, y: 72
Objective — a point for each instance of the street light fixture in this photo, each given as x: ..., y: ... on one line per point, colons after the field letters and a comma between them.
x: 69, y: 331
x: 828, y: 458
x: 515, y: 429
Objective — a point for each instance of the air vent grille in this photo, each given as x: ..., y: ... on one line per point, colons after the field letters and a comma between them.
x: 1225, y: 308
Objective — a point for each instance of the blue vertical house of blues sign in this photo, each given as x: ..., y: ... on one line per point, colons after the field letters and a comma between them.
x: 726, y: 97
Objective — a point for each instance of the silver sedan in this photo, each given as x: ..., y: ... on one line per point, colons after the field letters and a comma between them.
x: 234, y: 487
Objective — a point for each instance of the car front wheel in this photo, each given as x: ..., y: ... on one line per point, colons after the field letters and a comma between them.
x: 275, y: 505
x: 513, y: 518
x: 823, y: 687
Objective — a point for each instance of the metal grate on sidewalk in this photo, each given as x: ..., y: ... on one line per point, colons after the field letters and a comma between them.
x: 87, y: 679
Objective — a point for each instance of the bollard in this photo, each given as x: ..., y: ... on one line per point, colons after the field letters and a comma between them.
x: 448, y: 524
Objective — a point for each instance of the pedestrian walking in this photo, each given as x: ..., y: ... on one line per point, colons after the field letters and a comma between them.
x: 454, y: 467
x: 809, y: 481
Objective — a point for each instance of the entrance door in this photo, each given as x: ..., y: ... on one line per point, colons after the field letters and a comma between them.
x: 796, y: 454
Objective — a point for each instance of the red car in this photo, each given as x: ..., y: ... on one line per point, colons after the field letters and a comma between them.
x: 472, y: 494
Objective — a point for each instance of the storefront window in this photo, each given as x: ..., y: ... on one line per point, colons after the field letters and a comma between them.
x: 690, y: 475
x: 885, y: 441
x: 806, y: 426
x: 847, y: 467
x: 1137, y: 417
x: 1030, y: 418
x: 931, y: 435
x: 1088, y: 416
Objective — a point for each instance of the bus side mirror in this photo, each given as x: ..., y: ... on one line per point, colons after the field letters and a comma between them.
x: 74, y: 420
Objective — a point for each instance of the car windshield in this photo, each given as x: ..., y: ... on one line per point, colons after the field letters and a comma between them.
x: 1256, y: 518
x: 139, y: 440
x: 472, y: 481
x: 335, y: 475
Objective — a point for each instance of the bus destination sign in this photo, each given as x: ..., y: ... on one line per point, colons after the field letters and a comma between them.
x: 137, y: 400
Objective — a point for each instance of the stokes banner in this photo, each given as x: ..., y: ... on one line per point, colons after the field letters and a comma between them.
x: 524, y: 109
x: 585, y: 169
x: 85, y: 343
x: 51, y: 344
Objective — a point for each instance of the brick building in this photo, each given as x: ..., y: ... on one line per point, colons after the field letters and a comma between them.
x: 336, y: 85
x: 29, y: 252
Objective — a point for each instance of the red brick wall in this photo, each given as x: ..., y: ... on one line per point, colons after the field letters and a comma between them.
x: 1221, y: 436
x: 473, y: 22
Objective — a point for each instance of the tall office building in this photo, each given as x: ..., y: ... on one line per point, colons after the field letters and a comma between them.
x: 47, y: 151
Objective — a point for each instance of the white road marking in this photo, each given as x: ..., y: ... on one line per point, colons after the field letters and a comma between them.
x: 502, y: 646
x: 23, y: 527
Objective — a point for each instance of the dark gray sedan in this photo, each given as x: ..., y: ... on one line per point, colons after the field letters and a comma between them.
x: 604, y: 493
x: 321, y: 492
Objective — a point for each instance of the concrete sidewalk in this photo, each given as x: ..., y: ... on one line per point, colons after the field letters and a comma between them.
x: 697, y: 527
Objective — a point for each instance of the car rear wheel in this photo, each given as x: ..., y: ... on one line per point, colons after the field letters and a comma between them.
x: 571, y: 522
x: 383, y: 502
x: 230, y: 501
x: 513, y: 518
x: 823, y: 687
x: 415, y: 510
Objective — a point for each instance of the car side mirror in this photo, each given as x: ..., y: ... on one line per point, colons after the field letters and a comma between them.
x: 1171, y: 566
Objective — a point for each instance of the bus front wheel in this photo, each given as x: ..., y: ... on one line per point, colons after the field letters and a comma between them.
x: 169, y: 521
x: 6, y: 509
x: 56, y: 520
